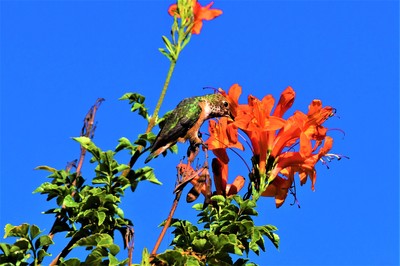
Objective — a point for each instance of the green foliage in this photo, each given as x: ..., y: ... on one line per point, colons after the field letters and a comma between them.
x: 90, y: 213
x: 137, y: 102
x: 30, y: 244
x: 228, y: 229
x: 180, y: 31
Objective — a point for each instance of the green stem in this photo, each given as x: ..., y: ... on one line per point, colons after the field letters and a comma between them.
x: 162, y: 95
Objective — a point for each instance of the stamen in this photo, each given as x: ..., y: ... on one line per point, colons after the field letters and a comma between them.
x: 211, y: 88
x: 292, y: 190
x: 241, y: 157
x: 338, y: 129
x: 245, y: 140
x: 329, y: 157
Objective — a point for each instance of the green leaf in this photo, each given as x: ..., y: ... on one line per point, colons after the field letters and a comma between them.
x: 89, y: 146
x: 171, y: 257
x: 21, y: 244
x: 71, y: 262
x: 198, y: 206
x: 121, y: 167
x: 96, y: 256
x: 21, y: 230
x: 46, y: 168
x: 101, y: 217
x: 34, y: 231
x: 192, y: 261
x: 70, y: 202
x: 124, y: 143
x: 42, y: 241
x: 99, y: 240
x: 100, y: 180
x: 5, y: 248
x: 145, y: 173
x: 144, y: 138
x: 162, y: 50
x: 168, y: 44
x: 112, y: 260
x: 137, y: 102
x: 199, y: 243
x: 218, y: 198
x: 41, y: 254
x: 145, y: 258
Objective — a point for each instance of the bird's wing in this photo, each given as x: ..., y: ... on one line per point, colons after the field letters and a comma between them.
x: 176, y: 125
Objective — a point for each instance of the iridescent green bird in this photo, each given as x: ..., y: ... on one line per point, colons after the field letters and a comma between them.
x: 184, y: 122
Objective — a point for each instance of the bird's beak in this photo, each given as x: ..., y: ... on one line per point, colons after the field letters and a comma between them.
x: 231, y: 116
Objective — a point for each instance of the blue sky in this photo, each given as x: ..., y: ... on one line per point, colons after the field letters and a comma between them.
x: 58, y: 57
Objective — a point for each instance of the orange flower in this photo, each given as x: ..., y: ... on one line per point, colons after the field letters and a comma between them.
x: 200, y: 13
x: 222, y: 135
x: 220, y: 172
x: 255, y: 120
x: 233, y: 97
x: 278, y: 189
x: 290, y: 163
x: 274, y: 140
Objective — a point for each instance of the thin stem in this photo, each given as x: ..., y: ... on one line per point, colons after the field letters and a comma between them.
x: 162, y: 95
x: 88, y: 130
x: 167, y: 222
x: 154, y: 117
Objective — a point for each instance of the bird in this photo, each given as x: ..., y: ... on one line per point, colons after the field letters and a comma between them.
x: 184, y: 122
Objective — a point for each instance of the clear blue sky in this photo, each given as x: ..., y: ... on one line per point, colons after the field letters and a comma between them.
x: 58, y: 57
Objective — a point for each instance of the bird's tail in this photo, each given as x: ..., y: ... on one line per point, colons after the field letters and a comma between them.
x: 150, y: 157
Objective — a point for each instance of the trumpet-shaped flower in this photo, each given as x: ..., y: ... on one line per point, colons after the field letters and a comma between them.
x: 220, y: 172
x: 200, y: 13
x: 274, y: 138
x: 222, y: 135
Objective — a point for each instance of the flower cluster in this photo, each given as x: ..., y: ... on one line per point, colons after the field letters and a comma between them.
x: 200, y: 13
x: 273, y: 141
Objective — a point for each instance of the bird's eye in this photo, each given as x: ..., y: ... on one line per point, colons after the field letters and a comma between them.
x: 226, y: 104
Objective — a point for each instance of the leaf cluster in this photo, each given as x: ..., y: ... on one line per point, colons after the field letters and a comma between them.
x: 30, y: 243
x: 180, y: 30
x: 228, y: 229
x: 90, y: 213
